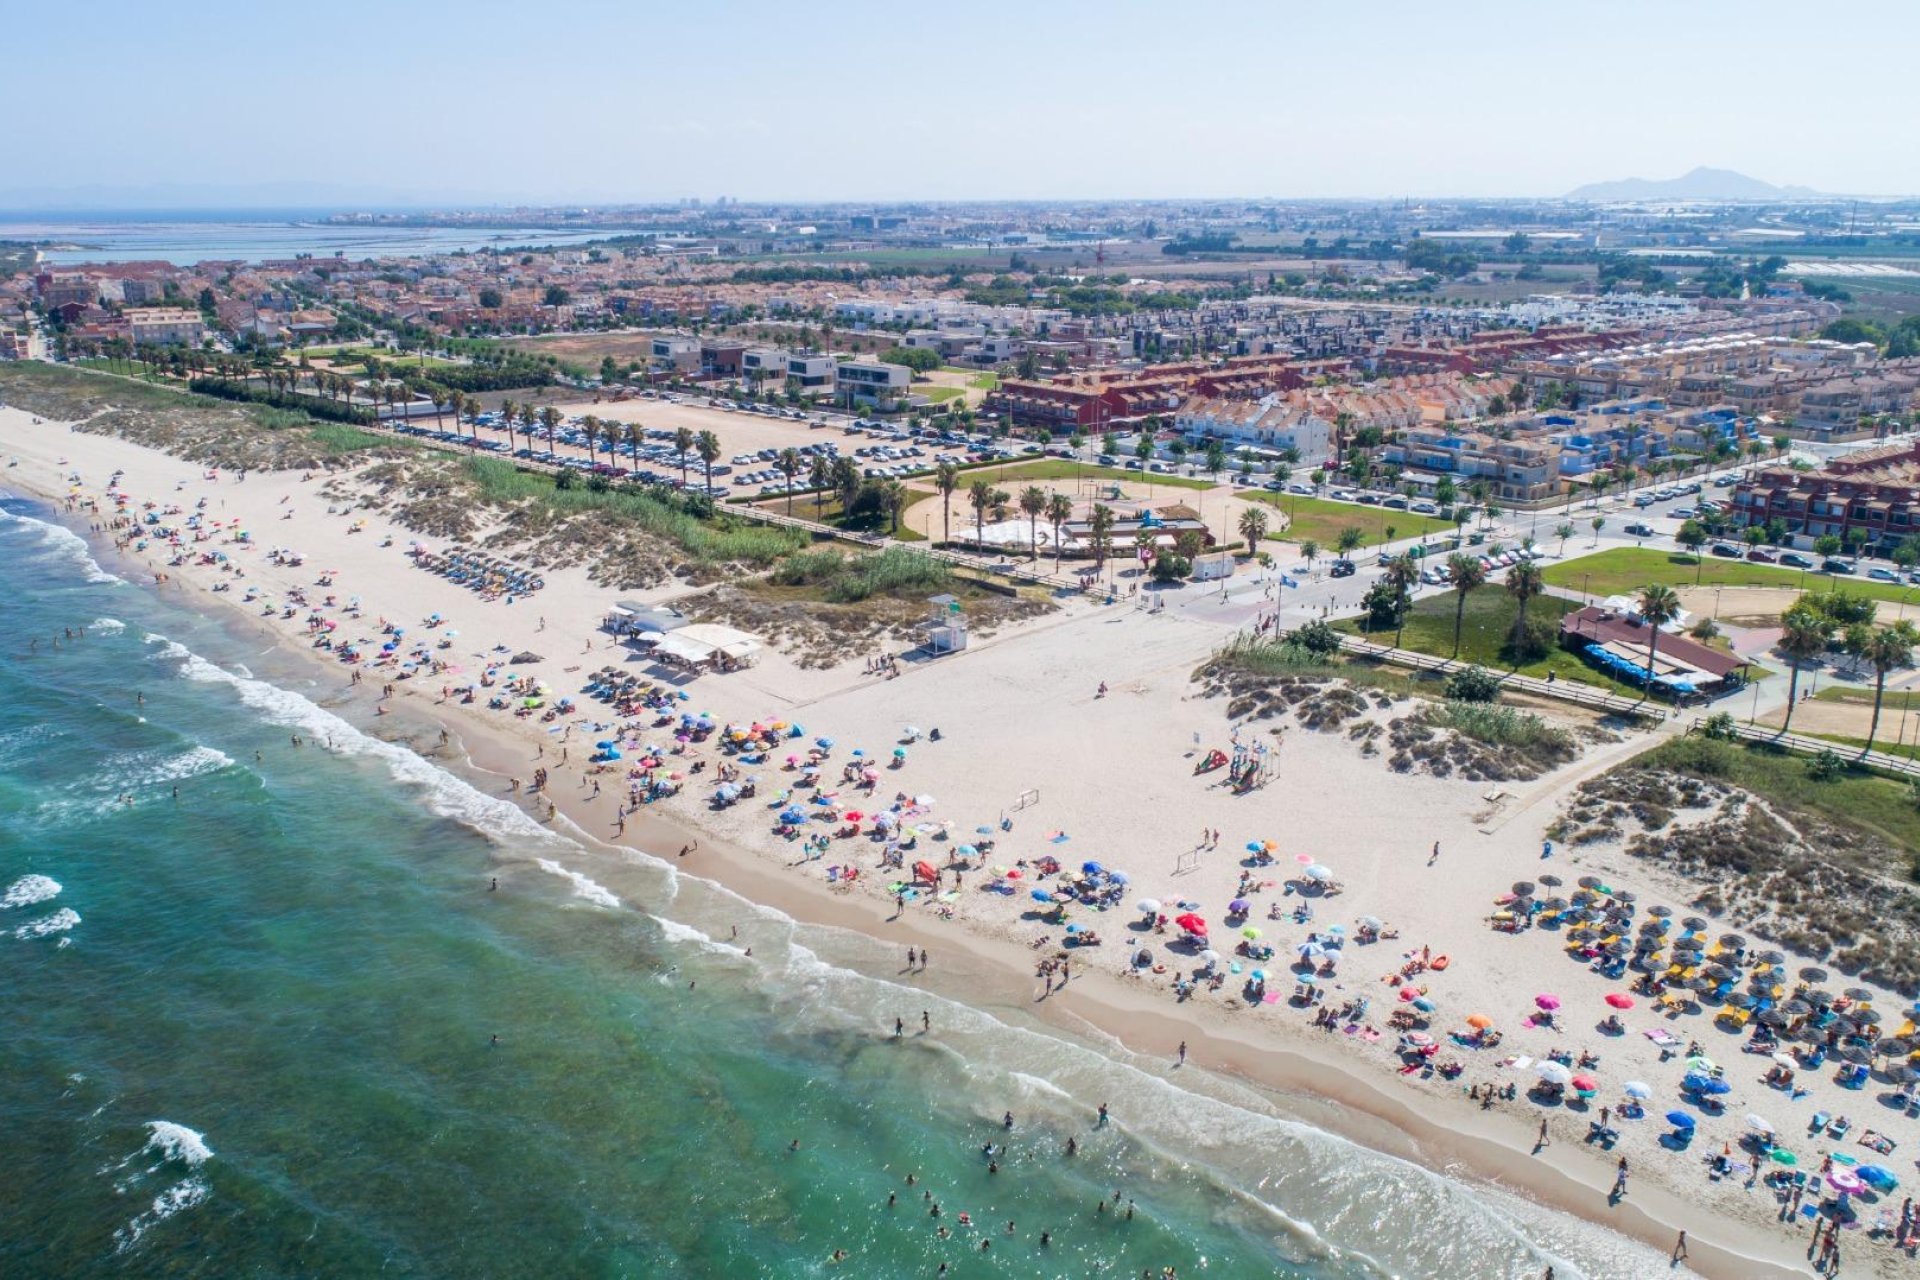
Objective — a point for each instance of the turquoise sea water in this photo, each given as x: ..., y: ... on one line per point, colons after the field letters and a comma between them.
x: 248, y: 1032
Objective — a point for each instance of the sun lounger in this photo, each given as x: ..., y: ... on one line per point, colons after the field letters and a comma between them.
x: 1877, y: 1142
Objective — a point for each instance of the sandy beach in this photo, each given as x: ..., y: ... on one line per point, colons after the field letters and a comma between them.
x: 1033, y: 756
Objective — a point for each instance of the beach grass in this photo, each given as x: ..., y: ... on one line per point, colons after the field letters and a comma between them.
x: 1625, y: 570
x: 1487, y: 623
x: 1855, y: 797
x: 848, y: 579
x: 1318, y: 520
x: 719, y: 541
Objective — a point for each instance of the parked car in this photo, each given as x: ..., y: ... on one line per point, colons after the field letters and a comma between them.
x: 1795, y: 559
x: 1342, y: 569
x: 1879, y: 574
x: 1726, y: 549
x: 1760, y: 555
x: 1640, y: 530
x: 1833, y: 564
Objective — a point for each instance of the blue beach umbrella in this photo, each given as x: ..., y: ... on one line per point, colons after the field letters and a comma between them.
x: 1040, y: 895
x: 1680, y: 1120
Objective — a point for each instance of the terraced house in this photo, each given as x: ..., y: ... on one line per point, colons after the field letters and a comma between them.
x: 1877, y: 490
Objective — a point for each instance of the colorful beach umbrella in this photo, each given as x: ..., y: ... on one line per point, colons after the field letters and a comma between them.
x: 1620, y: 1000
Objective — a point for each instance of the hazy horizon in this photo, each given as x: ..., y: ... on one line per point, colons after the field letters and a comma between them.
x: 589, y: 103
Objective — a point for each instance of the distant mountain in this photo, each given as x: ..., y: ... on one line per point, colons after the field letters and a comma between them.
x: 1702, y: 184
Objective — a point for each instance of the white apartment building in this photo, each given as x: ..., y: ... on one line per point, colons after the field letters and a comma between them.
x: 1269, y: 422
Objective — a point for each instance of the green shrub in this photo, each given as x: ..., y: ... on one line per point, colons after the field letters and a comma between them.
x: 1473, y: 684
x: 1317, y: 638
x: 845, y: 579
x: 1501, y: 726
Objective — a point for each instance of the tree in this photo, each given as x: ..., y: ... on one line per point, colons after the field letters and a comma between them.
x: 590, y: 425
x: 1563, y: 532
x: 1890, y: 650
x: 557, y: 296
x: 1856, y: 539
x: 1309, y: 549
x: 1692, y: 536
x: 1826, y: 546
x: 946, y: 478
x: 707, y: 445
x: 1401, y: 575
x: 1805, y: 633
x: 1598, y: 523
x: 1524, y: 582
x: 683, y: 446
x: 1446, y: 493
x: 789, y: 467
x: 1216, y: 455
x: 1350, y: 538
x: 490, y: 299
x: 1465, y: 574
x: 1659, y: 605
x: 1100, y: 529
x: 1143, y: 447
x: 980, y: 498
x: 1253, y: 527
x: 550, y: 420
x: 1059, y: 511
x: 819, y: 476
x: 1033, y: 501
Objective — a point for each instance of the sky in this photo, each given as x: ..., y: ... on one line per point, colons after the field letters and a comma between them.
x: 585, y: 101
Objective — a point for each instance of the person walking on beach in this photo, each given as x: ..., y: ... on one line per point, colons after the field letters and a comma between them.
x: 926, y: 1022
x: 1183, y: 1054
x: 1620, y: 1179
x: 1541, y: 1140
x: 1679, y: 1249
x: 1435, y: 855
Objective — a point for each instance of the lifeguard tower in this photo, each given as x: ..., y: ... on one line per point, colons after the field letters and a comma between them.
x: 946, y: 625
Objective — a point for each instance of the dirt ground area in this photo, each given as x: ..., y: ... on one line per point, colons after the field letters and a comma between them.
x: 1850, y: 719
x: 1745, y: 606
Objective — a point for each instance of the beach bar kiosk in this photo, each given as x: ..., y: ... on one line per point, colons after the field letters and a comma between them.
x: 946, y: 625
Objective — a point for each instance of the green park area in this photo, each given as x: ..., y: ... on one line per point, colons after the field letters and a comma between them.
x: 1318, y: 520
x: 1485, y: 627
x: 1624, y: 570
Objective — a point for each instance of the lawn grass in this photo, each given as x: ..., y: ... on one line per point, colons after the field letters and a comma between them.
x: 940, y: 395
x: 1625, y: 570
x: 1318, y: 520
x: 1066, y: 469
x: 1856, y: 798
x: 978, y: 379
x: 1484, y: 630
x: 1883, y: 744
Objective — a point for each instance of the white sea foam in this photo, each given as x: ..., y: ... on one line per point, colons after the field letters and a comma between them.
x: 172, y: 1141
x: 176, y: 1199
x: 446, y: 795
x: 28, y: 890
x: 57, y: 922
x: 583, y: 886
x: 108, y: 626
x: 63, y: 541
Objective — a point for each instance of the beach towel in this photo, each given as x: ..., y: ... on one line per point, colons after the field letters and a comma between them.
x: 1058, y: 837
x: 1877, y: 1142
x: 1662, y: 1037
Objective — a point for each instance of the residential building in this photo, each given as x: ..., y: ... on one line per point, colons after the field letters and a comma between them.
x: 1514, y: 470
x: 676, y: 353
x: 167, y: 326
x: 1875, y: 490
x: 1271, y: 422
x: 871, y: 382
x: 810, y: 369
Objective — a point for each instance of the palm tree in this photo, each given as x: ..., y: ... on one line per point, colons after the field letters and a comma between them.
x: 1598, y: 523
x: 707, y: 445
x: 507, y: 409
x: 529, y: 415
x: 1659, y: 605
x: 1402, y: 572
x: 789, y: 467
x: 1890, y: 649
x: 946, y: 478
x: 471, y: 408
x: 1059, y: 511
x: 819, y: 472
x: 1309, y: 549
x: 1523, y: 584
x: 980, y: 497
x: 590, y: 424
x: 1350, y: 538
x: 550, y: 420
x: 893, y: 497
x: 1100, y: 528
x: 1563, y: 531
x: 683, y: 445
x: 1033, y: 501
x: 1466, y: 574
x: 1805, y: 635
x: 1253, y: 527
